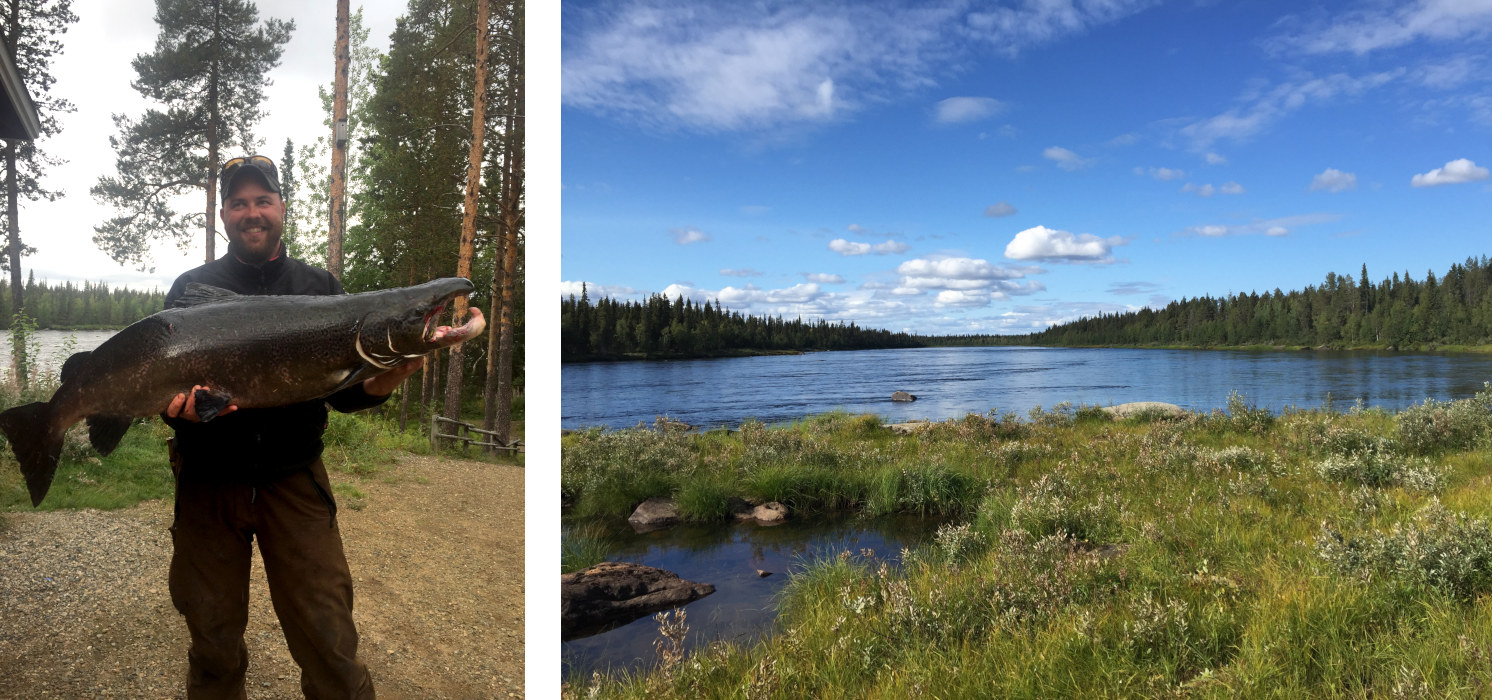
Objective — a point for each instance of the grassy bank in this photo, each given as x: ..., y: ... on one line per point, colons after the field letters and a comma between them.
x: 1237, y: 553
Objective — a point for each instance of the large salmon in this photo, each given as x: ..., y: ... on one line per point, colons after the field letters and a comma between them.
x: 252, y: 351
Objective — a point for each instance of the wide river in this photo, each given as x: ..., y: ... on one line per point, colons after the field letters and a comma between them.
x: 951, y: 382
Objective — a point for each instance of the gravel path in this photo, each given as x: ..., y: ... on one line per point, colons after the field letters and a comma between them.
x: 436, y: 554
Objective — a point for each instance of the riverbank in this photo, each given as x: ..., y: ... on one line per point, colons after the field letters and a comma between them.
x: 1237, y: 552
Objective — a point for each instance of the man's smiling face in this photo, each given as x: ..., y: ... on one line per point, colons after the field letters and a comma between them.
x: 253, y: 218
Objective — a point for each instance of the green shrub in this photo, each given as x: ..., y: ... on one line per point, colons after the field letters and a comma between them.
x: 1436, y: 426
x: 1244, y: 416
x: 1439, y: 549
x: 1055, y: 505
x: 1377, y: 468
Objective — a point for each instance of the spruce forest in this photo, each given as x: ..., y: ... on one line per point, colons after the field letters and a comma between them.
x: 90, y: 306
x: 658, y: 328
x: 1399, y: 312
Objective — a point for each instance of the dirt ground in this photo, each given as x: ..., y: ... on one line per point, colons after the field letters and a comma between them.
x: 436, y: 553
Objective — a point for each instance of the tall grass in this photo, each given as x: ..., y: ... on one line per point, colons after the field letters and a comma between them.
x: 1304, y: 554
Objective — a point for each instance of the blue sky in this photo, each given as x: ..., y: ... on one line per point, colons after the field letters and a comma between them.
x: 999, y: 167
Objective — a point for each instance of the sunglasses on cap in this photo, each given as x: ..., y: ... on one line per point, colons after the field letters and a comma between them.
x: 262, y: 164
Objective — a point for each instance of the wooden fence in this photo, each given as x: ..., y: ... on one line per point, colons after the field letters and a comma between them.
x: 463, y: 433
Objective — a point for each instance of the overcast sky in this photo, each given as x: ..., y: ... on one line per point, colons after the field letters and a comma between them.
x: 94, y: 72
x: 995, y: 167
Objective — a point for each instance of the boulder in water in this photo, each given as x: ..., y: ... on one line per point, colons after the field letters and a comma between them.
x: 654, y: 514
x: 770, y: 513
x: 902, y: 396
x: 612, y: 593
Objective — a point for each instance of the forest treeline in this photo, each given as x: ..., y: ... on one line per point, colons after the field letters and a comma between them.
x: 89, y: 306
x: 659, y: 328
x: 1398, y: 312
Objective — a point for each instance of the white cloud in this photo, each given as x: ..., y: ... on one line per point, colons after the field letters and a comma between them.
x: 1042, y: 243
x: 1207, y: 190
x: 594, y: 291
x: 757, y: 66
x: 999, y: 209
x: 957, y: 269
x: 1455, y: 172
x: 1161, y: 173
x: 823, y: 278
x: 961, y: 110
x: 1333, y: 180
x: 685, y: 236
x: 1065, y: 159
x: 849, y: 248
x: 743, y: 272
x: 1383, y: 26
x: 950, y: 297
x: 1265, y: 107
x: 1215, y: 159
x: 1278, y: 226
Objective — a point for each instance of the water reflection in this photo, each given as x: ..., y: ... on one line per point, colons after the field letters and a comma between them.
x: 729, y: 556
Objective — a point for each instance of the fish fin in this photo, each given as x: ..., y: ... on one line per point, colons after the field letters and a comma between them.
x: 37, y: 444
x: 197, y: 293
x: 365, y: 372
x: 73, y: 363
x: 105, y: 431
x: 210, y: 403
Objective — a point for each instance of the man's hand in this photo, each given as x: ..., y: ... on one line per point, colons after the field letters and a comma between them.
x: 184, y: 406
x: 385, y: 384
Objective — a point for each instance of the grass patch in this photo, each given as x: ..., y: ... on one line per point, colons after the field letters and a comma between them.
x: 1237, y: 553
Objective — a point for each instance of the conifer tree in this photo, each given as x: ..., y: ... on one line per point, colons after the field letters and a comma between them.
x: 208, y: 72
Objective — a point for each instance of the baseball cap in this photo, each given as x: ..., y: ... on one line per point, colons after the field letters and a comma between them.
x: 236, y: 167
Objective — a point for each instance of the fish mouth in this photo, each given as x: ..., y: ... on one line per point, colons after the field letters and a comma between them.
x: 444, y: 336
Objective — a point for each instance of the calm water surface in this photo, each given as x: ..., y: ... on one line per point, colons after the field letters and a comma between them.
x: 951, y: 382
x: 55, y: 346
x: 744, y: 604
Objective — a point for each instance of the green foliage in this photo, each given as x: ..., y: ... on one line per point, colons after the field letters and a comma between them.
x: 1398, y: 312
x: 1177, y: 558
x: 207, y: 74
x: 90, y: 306
x: 932, y: 489
x: 660, y: 327
x: 1377, y: 468
x: 1436, y: 426
x: 135, y: 471
x: 582, y: 546
x: 1440, y: 549
x: 1055, y: 505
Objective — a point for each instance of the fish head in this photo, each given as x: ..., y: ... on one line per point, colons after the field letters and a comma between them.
x: 405, y: 323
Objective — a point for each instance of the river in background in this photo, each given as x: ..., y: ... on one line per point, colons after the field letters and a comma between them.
x: 951, y: 382
x: 54, y: 347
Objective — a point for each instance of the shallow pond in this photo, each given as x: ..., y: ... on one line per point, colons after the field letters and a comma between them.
x: 744, y: 604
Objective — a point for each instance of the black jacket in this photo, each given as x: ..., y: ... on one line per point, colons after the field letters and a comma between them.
x: 260, y: 444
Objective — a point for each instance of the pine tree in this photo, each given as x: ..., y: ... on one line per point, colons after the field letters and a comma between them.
x: 33, y: 30
x: 208, y: 73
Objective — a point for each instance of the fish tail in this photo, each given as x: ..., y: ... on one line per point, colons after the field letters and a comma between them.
x: 37, y: 444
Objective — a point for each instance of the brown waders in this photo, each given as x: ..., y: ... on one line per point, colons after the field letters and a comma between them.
x: 294, y: 519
